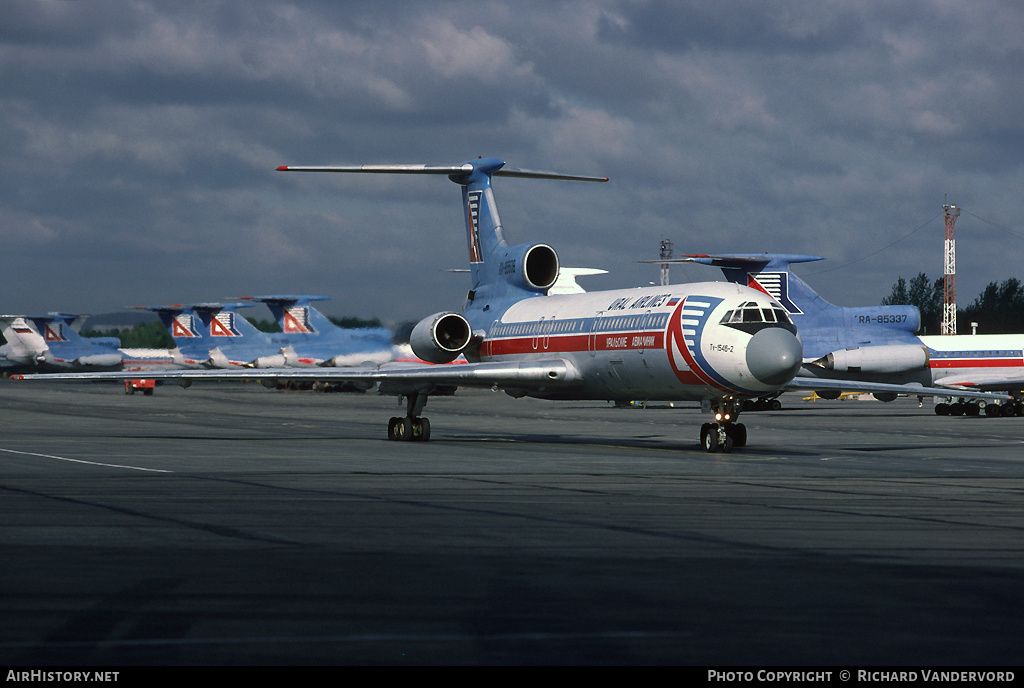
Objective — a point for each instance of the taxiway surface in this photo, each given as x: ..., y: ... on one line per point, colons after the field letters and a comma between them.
x: 230, y: 524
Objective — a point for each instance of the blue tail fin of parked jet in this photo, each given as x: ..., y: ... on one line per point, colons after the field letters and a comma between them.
x: 317, y: 339
x: 824, y: 327
x: 213, y: 334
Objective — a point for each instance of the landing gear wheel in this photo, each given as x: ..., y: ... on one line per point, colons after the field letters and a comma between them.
x: 395, y: 428
x: 738, y: 434
x: 710, y: 438
x: 400, y: 429
x: 420, y: 430
x: 727, y: 446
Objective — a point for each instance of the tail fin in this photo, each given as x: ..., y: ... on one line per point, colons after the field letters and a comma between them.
x: 294, y: 314
x: 26, y: 344
x: 320, y: 340
x: 204, y: 323
x: 767, y: 272
x: 497, y: 269
x: 222, y: 324
x: 181, y: 322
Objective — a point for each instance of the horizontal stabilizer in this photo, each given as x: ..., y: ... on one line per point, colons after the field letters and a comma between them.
x: 741, y: 260
x: 461, y: 169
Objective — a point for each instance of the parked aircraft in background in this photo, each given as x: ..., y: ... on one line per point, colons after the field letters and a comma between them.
x: 314, y: 337
x: 48, y: 342
x: 214, y: 335
x: 715, y: 343
x: 51, y: 342
x: 878, y: 344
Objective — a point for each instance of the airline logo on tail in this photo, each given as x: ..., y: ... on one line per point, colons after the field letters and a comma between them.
x: 54, y: 332
x: 223, y: 325
x: 776, y: 285
x: 183, y: 325
x: 473, y: 224
x: 296, y: 319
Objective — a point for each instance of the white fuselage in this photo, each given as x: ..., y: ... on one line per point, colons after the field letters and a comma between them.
x: 665, y: 343
x: 982, y: 356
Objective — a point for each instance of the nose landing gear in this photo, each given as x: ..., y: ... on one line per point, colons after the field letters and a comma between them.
x: 724, y: 434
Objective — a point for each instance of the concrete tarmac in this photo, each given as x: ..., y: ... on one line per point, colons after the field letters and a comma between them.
x: 233, y: 525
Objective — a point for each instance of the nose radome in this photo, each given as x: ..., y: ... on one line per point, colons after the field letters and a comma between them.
x: 774, y: 355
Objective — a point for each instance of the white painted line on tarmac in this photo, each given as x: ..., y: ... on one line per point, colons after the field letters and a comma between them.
x: 91, y: 463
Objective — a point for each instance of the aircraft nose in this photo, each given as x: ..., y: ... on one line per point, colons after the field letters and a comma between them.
x: 774, y: 355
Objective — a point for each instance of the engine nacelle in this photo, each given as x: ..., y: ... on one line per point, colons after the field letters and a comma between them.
x: 441, y: 337
x: 533, y: 267
x: 890, y: 358
x: 286, y: 358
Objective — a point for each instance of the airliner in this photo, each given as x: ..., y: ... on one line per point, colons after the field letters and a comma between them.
x: 715, y: 343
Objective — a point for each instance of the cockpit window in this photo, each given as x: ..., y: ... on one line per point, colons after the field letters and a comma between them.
x: 748, y: 312
x: 751, y: 312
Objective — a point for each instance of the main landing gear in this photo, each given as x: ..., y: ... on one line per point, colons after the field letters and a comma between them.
x: 961, y: 407
x: 411, y: 428
x: 724, y: 433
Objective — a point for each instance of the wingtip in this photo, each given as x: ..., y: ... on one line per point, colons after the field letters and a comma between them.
x: 282, y: 168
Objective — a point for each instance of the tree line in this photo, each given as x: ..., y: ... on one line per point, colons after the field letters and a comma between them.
x: 999, y: 309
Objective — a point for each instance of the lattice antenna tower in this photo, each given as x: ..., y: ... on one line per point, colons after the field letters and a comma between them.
x: 665, y: 254
x: 949, y: 277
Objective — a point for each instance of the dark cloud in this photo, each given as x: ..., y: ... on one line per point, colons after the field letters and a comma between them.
x: 140, y: 139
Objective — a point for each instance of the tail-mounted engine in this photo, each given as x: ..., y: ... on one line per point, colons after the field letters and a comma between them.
x: 890, y: 358
x: 533, y: 267
x: 441, y: 337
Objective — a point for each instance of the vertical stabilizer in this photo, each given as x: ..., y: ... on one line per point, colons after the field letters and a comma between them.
x: 824, y: 327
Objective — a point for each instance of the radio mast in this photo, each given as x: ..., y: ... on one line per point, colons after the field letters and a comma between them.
x: 949, y: 278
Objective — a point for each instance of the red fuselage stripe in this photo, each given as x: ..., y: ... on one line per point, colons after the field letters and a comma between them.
x: 945, y: 364
x: 574, y: 343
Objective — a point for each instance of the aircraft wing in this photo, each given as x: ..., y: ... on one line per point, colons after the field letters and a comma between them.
x: 802, y: 384
x: 395, y: 378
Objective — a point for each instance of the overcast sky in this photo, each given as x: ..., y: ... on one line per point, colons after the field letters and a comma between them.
x: 138, y: 143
